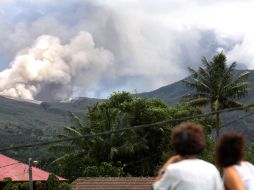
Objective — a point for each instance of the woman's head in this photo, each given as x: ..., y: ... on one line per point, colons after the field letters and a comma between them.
x: 188, y: 139
x: 230, y: 149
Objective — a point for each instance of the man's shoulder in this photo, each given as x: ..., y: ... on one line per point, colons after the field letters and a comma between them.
x: 194, y: 164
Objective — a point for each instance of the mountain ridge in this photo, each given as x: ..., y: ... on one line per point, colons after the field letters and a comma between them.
x: 172, y: 93
x: 23, y: 121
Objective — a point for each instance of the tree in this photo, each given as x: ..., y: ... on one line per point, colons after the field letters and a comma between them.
x: 217, y: 85
x: 78, y: 157
x: 131, y: 148
x: 72, y: 158
x: 136, y: 152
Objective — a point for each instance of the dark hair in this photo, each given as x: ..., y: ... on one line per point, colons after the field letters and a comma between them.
x: 230, y: 149
x: 188, y: 139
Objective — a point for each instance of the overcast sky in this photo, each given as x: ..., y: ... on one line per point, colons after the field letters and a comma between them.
x: 55, y: 50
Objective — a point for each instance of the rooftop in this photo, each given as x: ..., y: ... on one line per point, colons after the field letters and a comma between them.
x: 113, y: 183
x: 18, y: 171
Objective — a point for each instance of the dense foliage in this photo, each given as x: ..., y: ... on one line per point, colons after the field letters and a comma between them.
x: 51, y: 184
x: 135, y: 152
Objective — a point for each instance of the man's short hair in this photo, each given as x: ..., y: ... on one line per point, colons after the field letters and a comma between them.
x: 188, y: 139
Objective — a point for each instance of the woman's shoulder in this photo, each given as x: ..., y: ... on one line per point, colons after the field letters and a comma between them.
x: 229, y: 169
x: 247, y: 164
x: 232, y: 178
x: 244, y: 165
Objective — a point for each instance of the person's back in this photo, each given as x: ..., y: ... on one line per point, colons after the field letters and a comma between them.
x: 246, y: 172
x: 184, y: 171
x: 237, y: 173
x: 190, y: 174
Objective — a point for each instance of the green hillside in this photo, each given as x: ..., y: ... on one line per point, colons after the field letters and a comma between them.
x: 25, y: 122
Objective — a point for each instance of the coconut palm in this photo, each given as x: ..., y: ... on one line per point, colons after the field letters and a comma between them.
x: 217, y: 85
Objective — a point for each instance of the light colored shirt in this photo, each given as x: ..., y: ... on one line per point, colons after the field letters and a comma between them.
x: 246, y: 172
x: 190, y: 174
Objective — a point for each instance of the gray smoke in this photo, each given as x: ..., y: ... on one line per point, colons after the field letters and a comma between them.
x: 50, y: 70
x: 147, y: 44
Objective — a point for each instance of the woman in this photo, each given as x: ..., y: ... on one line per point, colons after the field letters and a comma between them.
x: 185, y: 171
x: 238, y: 174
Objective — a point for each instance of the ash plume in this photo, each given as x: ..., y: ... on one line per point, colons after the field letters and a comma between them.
x: 50, y: 70
x: 151, y: 43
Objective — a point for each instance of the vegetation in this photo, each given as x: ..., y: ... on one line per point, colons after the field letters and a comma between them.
x: 26, y: 122
x: 51, y: 184
x: 217, y: 85
x: 132, y: 152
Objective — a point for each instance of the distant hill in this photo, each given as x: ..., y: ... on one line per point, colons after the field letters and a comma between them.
x: 24, y: 122
x: 172, y: 94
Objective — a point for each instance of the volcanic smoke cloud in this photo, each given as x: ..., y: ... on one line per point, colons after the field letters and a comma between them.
x: 148, y: 44
x: 50, y: 71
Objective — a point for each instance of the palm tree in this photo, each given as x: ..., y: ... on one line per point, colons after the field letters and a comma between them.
x: 217, y: 85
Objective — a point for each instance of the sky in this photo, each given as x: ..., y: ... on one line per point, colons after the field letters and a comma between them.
x: 56, y: 50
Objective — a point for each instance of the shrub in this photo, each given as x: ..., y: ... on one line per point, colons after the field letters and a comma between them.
x: 64, y: 186
x: 52, y: 182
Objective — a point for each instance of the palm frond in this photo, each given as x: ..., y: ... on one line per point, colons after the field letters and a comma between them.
x: 242, y: 77
x: 232, y: 103
x: 75, y: 120
x: 205, y: 63
x: 72, y: 131
x: 193, y: 72
x: 204, y: 75
x: 197, y: 85
x: 59, y: 159
x: 232, y: 67
x: 198, y: 102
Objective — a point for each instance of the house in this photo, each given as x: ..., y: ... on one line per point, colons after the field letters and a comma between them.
x: 113, y: 183
x: 18, y: 171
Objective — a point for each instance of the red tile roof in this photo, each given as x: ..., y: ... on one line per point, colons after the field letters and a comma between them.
x: 113, y: 183
x: 18, y: 171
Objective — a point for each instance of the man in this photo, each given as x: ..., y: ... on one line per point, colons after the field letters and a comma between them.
x: 185, y: 171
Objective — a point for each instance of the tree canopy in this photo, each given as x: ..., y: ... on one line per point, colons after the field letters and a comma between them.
x: 132, y: 152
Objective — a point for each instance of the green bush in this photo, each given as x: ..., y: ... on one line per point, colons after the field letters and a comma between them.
x: 52, y: 182
x: 24, y: 186
x: 39, y: 185
x: 64, y: 186
x: 8, y: 184
x: 104, y: 170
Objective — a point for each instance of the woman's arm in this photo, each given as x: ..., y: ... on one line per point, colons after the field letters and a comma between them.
x: 232, y: 180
